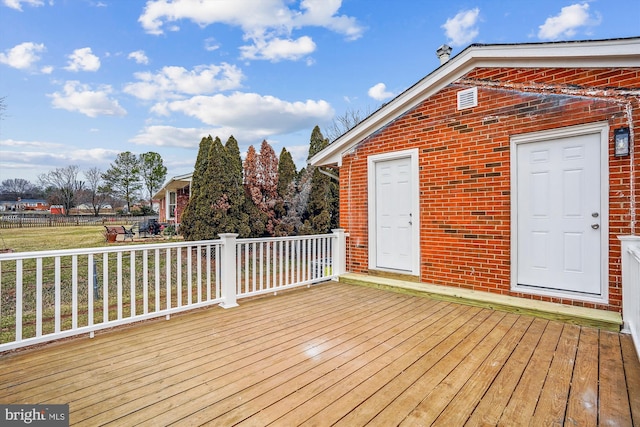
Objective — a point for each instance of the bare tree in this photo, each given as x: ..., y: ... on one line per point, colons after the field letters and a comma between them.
x: 63, y: 185
x: 17, y: 187
x: 94, y: 194
x: 344, y: 123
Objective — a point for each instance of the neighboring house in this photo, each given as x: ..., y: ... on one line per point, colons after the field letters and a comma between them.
x: 172, y: 198
x: 498, y: 172
x: 32, y: 205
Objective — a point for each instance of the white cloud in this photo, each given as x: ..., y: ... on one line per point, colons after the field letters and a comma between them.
x: 81, y: 98
x: 210, y: 44
x: 17, y: 4
x: 278, y: 49
x: 43, y: 156
x: 462, y: 29
x: 22, y: 56
x: 266, y: 115
x: 567, y: 22
x: 46, y: 69
x: 170, y: 136
x: 139, y: 56
x: 268, y: 24
x: 174, y: 82
x: 379, y: 92
x: 83, y: 60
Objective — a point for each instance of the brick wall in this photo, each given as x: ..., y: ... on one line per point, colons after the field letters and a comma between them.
x: 465, y: 172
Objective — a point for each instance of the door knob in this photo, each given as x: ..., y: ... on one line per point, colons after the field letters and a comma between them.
x: 595, y: 226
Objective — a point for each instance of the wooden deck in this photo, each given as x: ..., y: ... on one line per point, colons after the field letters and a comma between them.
x: 336, y: 354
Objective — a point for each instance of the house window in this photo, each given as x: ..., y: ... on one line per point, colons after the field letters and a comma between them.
x: 172, y: 205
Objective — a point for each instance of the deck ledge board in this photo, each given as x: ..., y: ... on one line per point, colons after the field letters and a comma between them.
x: 584, y: 316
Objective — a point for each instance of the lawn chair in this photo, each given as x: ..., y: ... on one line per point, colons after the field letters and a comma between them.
x: 128, y: 233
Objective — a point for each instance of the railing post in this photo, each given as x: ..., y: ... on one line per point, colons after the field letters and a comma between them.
x: 630, y: 265
x: 340, y: 252
x: 228, y: 270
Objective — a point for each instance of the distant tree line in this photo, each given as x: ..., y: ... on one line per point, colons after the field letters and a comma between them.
x: 127, y: 176
x: 263, y: 196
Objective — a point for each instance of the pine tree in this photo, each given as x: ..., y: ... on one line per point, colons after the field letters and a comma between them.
x: 287, y: 190
x: 322, y: 206
x: 238, y: 219
x: 286, y: 172
x: 193, y: 224
x: 216, y: 182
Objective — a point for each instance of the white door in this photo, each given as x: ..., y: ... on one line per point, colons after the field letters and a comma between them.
x: 394, y: 218
x: 558, y: 214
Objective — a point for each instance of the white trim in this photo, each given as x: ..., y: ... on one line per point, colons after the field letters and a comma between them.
x: 415, y: 205
x: 592, y: 128
x: 572, y: 54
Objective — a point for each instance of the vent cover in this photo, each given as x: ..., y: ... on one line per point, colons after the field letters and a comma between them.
x: 467, y: 98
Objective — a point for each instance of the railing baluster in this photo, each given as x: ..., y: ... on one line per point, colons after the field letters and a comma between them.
x: 189, y: 275
x: 119, y: 284
x: 105, y: 287
x: 19, y: 294
x: 90, y: 269
x: 179, y: 276
x: 156, y: 287
x: 145, y: 282
x: 168, y: 277
x: 74, y: 291
x: 38, y: 297
x: 199, y: 273
x: 58, y: 303
x: 132, y: 283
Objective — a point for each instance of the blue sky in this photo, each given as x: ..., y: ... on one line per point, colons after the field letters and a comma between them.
x: 83, y: 80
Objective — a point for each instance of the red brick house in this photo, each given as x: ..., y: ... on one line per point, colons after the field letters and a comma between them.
x: 172, y: 198
x: 498, y: 172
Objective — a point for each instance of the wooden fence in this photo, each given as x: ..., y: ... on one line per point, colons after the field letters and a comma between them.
x: 27, y: 220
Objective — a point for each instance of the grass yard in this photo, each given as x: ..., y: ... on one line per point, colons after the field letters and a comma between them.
x: 51, y: 238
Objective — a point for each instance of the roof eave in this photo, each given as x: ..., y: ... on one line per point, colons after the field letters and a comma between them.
x: 587, y: 54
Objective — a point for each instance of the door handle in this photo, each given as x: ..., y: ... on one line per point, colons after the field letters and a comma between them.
x: 595, y: 226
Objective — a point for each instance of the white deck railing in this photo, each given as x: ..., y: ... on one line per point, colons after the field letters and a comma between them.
x: 50, y: 295
x: 631, y: 288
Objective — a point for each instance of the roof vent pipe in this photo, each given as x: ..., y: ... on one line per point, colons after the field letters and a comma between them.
x: 444, y: 53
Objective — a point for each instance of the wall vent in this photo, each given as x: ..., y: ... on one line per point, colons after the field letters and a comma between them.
x: 467, y: 98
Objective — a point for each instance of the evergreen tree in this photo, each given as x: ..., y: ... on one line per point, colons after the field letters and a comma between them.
x: 193, y: 224
x: 153, y: 173
x: 322, y: 206
x: 286, y: 172
x: 123, y: 177
x: 287, y: 190
x: 217, y: 198
x: 238, y: 219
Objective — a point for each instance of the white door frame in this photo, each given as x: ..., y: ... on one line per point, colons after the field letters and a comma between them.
x: 592, y: 128
x: 415, y: 206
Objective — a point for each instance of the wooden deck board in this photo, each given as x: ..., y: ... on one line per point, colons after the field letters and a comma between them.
x: 336, y: 354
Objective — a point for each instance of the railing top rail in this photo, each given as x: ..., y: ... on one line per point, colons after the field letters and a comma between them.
x: 86, y: 251
x: 276, y: 239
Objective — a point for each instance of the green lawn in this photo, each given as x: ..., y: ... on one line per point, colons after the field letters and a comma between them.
x: 50, y: 238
